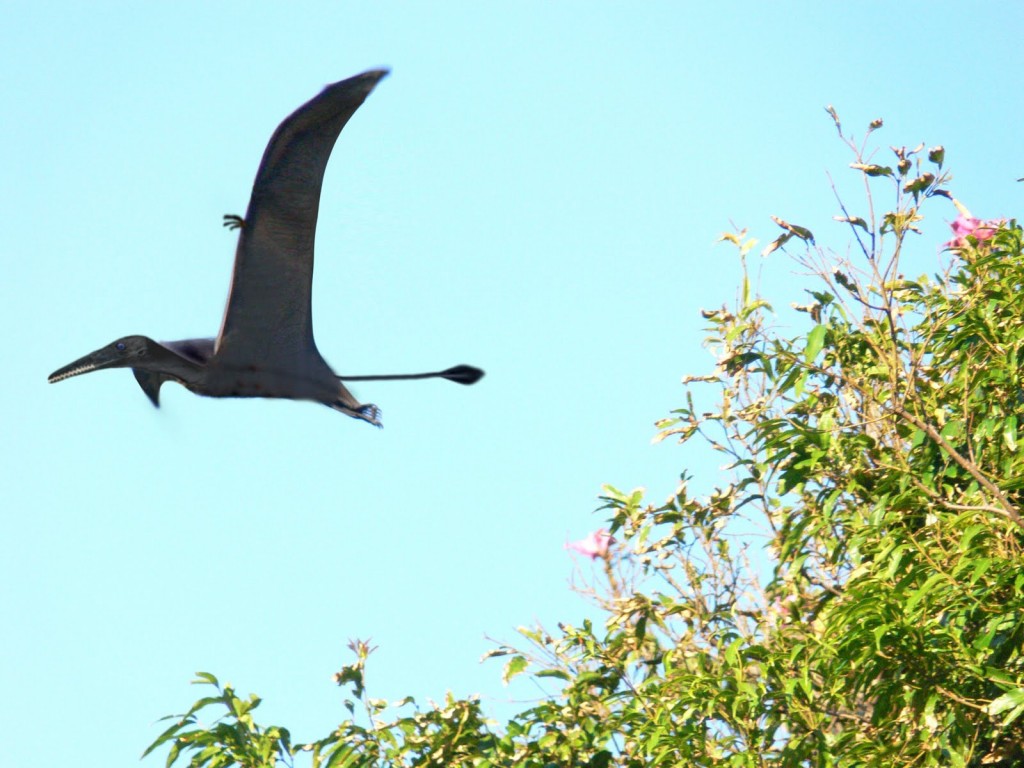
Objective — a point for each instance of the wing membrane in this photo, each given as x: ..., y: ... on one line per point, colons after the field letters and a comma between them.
x: 267, y: 321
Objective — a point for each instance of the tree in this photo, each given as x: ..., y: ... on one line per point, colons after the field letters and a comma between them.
x: 877, y: 453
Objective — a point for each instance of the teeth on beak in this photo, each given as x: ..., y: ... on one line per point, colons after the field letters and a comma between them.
x: 60, y: 376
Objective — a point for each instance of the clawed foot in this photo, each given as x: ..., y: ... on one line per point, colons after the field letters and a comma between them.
x: 233, y: 221
x: 371, y: 413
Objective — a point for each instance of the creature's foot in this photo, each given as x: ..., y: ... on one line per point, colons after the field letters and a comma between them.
x: 371, y: 413
x: 368, y: 412
x: 233, y: 221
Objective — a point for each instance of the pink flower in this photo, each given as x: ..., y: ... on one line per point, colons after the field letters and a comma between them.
x: 967, y: 226
x: 593, y: 546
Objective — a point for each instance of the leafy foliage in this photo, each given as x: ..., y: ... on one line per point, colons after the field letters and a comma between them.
x: 875, y: 458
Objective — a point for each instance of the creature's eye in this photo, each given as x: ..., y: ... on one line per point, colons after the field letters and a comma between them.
x: 121, y: 346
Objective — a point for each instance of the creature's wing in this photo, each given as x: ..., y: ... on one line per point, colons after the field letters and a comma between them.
x: 267, y: 321
x: 196, y: 350
x: 150, y: 383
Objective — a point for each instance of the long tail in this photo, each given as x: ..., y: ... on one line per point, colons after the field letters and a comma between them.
x: 461, y: 374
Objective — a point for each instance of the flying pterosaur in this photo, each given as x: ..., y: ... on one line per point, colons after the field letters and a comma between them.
x: 265, y: 347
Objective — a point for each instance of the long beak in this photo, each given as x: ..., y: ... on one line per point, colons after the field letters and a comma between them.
x: 461, y: 374
x: 94, y: 361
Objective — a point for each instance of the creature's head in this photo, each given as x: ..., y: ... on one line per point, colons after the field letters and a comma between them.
x: 126, y: 352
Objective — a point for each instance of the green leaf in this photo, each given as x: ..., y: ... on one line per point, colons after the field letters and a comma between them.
x: 203, y: 703
x: 980, y: 568
x: 164, y: 737
x: 815, y: 341
x: 775, y: 244
x: 496, y: 652
x: 1010, y: 433
x: 797, y: 231
x: 922, y: 592
x: 799, y: 383
x: 553, y: 673
x: 1014, y: 698
x: 341, y: 755
x: 872, y: 170
x: 855, y: 221
x: 206, y: 677
x: 514, y: 666
x: 172, y: 755
x: 920, y: 184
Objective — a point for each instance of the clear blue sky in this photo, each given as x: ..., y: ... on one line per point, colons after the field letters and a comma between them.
x: 536, y: 189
